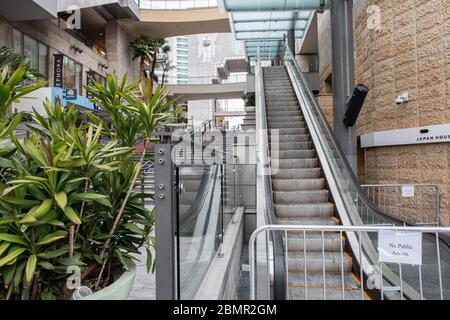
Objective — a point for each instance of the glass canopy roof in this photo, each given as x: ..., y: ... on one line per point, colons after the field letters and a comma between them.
x: 266, y: 23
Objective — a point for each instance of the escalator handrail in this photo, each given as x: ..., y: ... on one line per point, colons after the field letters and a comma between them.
x: 280, y: 285
x: 390, y: 277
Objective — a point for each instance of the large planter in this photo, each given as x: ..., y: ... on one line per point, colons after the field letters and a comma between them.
x: 119, y: 290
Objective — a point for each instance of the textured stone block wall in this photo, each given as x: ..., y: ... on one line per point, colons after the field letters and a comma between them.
x: 410, y: 52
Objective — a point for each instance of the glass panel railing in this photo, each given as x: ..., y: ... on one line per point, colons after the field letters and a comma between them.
x: 177, y: 4
x: 200, y: 224
x: 357, y: 208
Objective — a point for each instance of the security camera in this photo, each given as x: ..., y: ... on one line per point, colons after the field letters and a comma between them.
x: 404, y: 97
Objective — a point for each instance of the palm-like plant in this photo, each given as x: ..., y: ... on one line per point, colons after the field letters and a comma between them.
x: 139, y: 111
x: 146, y: 49
x: 167, y: 66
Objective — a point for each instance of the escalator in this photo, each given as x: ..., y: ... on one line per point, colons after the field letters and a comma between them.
x: 300, y: 197
x: 311, y: 183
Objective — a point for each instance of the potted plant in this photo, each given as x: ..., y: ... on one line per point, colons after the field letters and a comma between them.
x: 68, y: 213
x: 249, y: 101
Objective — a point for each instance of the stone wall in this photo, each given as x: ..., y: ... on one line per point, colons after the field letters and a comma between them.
x: 409, y: 52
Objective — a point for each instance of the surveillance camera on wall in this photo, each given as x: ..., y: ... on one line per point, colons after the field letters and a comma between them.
x: 404, y: 97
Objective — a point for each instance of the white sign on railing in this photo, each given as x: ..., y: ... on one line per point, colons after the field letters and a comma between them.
x: 400, y: 247
x: 408, y: 191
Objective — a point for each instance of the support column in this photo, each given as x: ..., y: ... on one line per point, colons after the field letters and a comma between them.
x: 165, y: 223
x: 291, y: 41
x: 343, y: 74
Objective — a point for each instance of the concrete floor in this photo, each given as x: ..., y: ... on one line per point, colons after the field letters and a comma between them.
x: 144, y: 287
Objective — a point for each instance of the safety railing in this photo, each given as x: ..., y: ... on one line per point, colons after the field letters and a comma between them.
x: 415, y: 254
x: 177, y: 4
x: 203, y: 80
x: 414, y: 204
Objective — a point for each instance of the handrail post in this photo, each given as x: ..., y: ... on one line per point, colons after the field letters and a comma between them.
x: 165, y: 204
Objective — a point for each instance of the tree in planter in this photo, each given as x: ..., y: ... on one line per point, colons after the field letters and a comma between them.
x: 146, y: 49
x: 150, y: 110
x: 62, y: 180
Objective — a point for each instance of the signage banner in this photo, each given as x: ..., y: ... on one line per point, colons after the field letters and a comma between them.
x: 422, y: 135
x: 400, y: 247
x: 70, y: 94
x: 58, y: 69
x: 90, y: 83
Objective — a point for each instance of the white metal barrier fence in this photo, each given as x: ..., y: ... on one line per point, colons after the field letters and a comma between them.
x: 414, y: 204
x: 376, y: 279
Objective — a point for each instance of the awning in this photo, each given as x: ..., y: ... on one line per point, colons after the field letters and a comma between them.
x: 266, y: 23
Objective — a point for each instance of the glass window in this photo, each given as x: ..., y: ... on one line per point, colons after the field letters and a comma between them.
x: 32, y: 49
x: 43, y: 59
x: 72, y: 77
x: 17, y: 42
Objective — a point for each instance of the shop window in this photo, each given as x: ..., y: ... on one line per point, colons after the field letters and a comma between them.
x: 72, y: 76
x: 28, y: 47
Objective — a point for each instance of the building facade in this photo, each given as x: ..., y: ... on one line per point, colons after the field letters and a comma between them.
x: 401, y: 48
x: 67, y: 53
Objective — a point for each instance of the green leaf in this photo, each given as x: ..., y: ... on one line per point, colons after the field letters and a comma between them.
x: 9, y: 189
x: 149, y: 260
x: 8, y: 275
x: 30, y: 268
x: 35, y: 153
x: 46, y: 265
x: 52, y: 237
x: 61, y: 199
x: 3, y: 247
x: 70, y: 213
x: 13, y: 254
x: 43, y: 208
x: 12, y: 238
x: 135, y: 229
x: 28, y: 219
x: 18, y: 275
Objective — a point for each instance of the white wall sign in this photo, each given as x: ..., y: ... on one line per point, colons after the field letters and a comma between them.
x: 422, y: 135
x: 408, y: 191
x: 400, y: 247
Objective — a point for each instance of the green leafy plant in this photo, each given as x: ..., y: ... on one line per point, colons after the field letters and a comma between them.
x: 249, y: 99
x: 66, y: 189
x: 146, y: 49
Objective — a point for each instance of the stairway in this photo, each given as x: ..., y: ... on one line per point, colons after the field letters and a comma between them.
x: 300, y: 198
x: 249, y: 119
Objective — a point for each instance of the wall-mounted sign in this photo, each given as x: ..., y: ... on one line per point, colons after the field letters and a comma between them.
x: 422, y: 135
x: 70, y: 94
x: 408, y: 191
x: 400, y: 247
x: 90, y: 83
x: 58, y: 70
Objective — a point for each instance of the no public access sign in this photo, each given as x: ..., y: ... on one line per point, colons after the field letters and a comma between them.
x: 400, y: 247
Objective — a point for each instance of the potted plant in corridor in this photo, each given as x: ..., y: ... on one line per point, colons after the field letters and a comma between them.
x: 68, y: 213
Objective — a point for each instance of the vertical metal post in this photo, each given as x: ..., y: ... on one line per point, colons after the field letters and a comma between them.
x: 165, y: 223
x: 291, y: 42
x: 343, y: 74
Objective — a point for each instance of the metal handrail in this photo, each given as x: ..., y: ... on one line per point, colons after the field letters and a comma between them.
x: 382, y: 188
x: 279, y: 287
x: 348, y: 212
x: 284, y: 229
